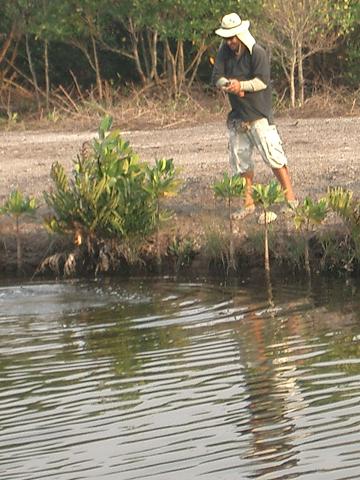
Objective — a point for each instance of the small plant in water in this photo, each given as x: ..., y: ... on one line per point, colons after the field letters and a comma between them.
x: 216, y: 245
x: 342, y: 202
x: 183, y: 250
x: 266, y: 196
x: 17, y: 206
x: 161, y: 182
x: 229, y: 188
x: 307, y: 215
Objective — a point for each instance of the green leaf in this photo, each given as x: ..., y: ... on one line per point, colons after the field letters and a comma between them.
x: 105, y: 126
x: 268, y: 195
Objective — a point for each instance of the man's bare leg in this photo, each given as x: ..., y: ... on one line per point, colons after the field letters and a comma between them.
x: 249, y: 206
x: 282, y: 174
x: 249, y: 180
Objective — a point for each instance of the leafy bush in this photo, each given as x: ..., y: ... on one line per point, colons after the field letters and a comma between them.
x: 343, y: 203
x: 111, y: 194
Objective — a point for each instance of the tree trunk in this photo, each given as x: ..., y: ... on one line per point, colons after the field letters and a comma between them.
x: 307, y: 255
x: 266, y: 246
x: 9, y: 66
x: 146, y: 59
x: 18, y: 246
x: 46, y: 72
x: 97, y: 68
x: 230, y: 219
x: 232, y: 264
x: 7, y: 43
x: 158, y: 246
x: 152, y: 42
x: 135, y: 51
x: 194, y: 66
x: 292, y: 80
x: 269, y: 289
x: 180, y: 66
x: 32, y: 71
x: 301, y: 75
x: 171, y: 63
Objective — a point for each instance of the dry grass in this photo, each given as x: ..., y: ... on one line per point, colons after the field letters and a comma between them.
x: 130, y: 106
x: 329, y: 101
x: 133, y: 107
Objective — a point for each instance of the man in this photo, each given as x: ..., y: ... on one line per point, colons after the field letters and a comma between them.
x: 242, y: 70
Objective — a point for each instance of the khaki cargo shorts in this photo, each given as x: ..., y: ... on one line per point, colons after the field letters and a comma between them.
x: 244, y: 136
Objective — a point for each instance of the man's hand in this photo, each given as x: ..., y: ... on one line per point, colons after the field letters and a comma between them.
x: 235, y: 88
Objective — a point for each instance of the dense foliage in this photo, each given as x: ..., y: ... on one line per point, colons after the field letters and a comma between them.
x: 63, y: 48
x: 110, y: 193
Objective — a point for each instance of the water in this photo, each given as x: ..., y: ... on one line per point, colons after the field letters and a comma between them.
x: 160, y: 380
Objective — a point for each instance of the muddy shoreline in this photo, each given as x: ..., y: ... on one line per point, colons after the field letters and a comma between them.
x: 322, y: 153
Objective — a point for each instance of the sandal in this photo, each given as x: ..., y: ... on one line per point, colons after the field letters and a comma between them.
x: 290, y: 207
x: 270, y: 217
x: 243, y: 213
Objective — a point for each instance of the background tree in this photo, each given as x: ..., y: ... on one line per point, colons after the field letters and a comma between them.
x: 78, y: 25
x: 298, y: 29
x: 10, y: 35
x: 163, y: 42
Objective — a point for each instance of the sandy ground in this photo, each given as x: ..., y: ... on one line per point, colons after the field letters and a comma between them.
x: 321, y: 152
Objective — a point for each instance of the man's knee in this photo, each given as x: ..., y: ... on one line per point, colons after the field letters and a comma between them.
x: 269, y: 144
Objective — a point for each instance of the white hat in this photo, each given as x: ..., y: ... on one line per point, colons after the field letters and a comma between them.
x: 232, y: 25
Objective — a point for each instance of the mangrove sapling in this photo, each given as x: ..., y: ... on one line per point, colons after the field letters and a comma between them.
x: 17, y: 206
x: 307, y: 215
x: 110, y: 194
x: 183, y: 251
x: 266, y: 196
x: 160, y: 182
x: 214, y: 246
x: 341, y: 201
x: 229, y: 188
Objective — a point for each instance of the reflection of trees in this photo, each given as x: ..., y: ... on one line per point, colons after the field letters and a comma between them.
x: 75, y: 342
x: 125, y: 344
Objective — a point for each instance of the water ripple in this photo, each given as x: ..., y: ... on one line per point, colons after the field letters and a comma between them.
x: 172, y: 381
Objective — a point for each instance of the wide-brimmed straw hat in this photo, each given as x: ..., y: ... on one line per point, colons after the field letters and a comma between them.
x: 232, y: 25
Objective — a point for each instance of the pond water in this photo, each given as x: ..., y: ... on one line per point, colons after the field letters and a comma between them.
x: 161, y: 379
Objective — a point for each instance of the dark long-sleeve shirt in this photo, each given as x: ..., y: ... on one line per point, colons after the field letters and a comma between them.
x: 254, y: 105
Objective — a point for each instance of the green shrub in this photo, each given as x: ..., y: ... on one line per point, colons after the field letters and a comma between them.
x: 343, y: 203
x: 110, y: 193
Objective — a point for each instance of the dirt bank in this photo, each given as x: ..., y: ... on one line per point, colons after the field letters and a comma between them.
x: 321, y: 152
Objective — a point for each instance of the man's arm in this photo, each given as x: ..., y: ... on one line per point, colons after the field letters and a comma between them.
x: 219, y: 67
x: 238, y: 87
x: 253, y: 85
x: 261, y: 71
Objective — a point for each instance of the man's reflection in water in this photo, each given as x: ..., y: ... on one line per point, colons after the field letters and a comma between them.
x: 272, y: 391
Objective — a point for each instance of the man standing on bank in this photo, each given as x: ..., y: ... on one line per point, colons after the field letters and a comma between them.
x: 242, y: 70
